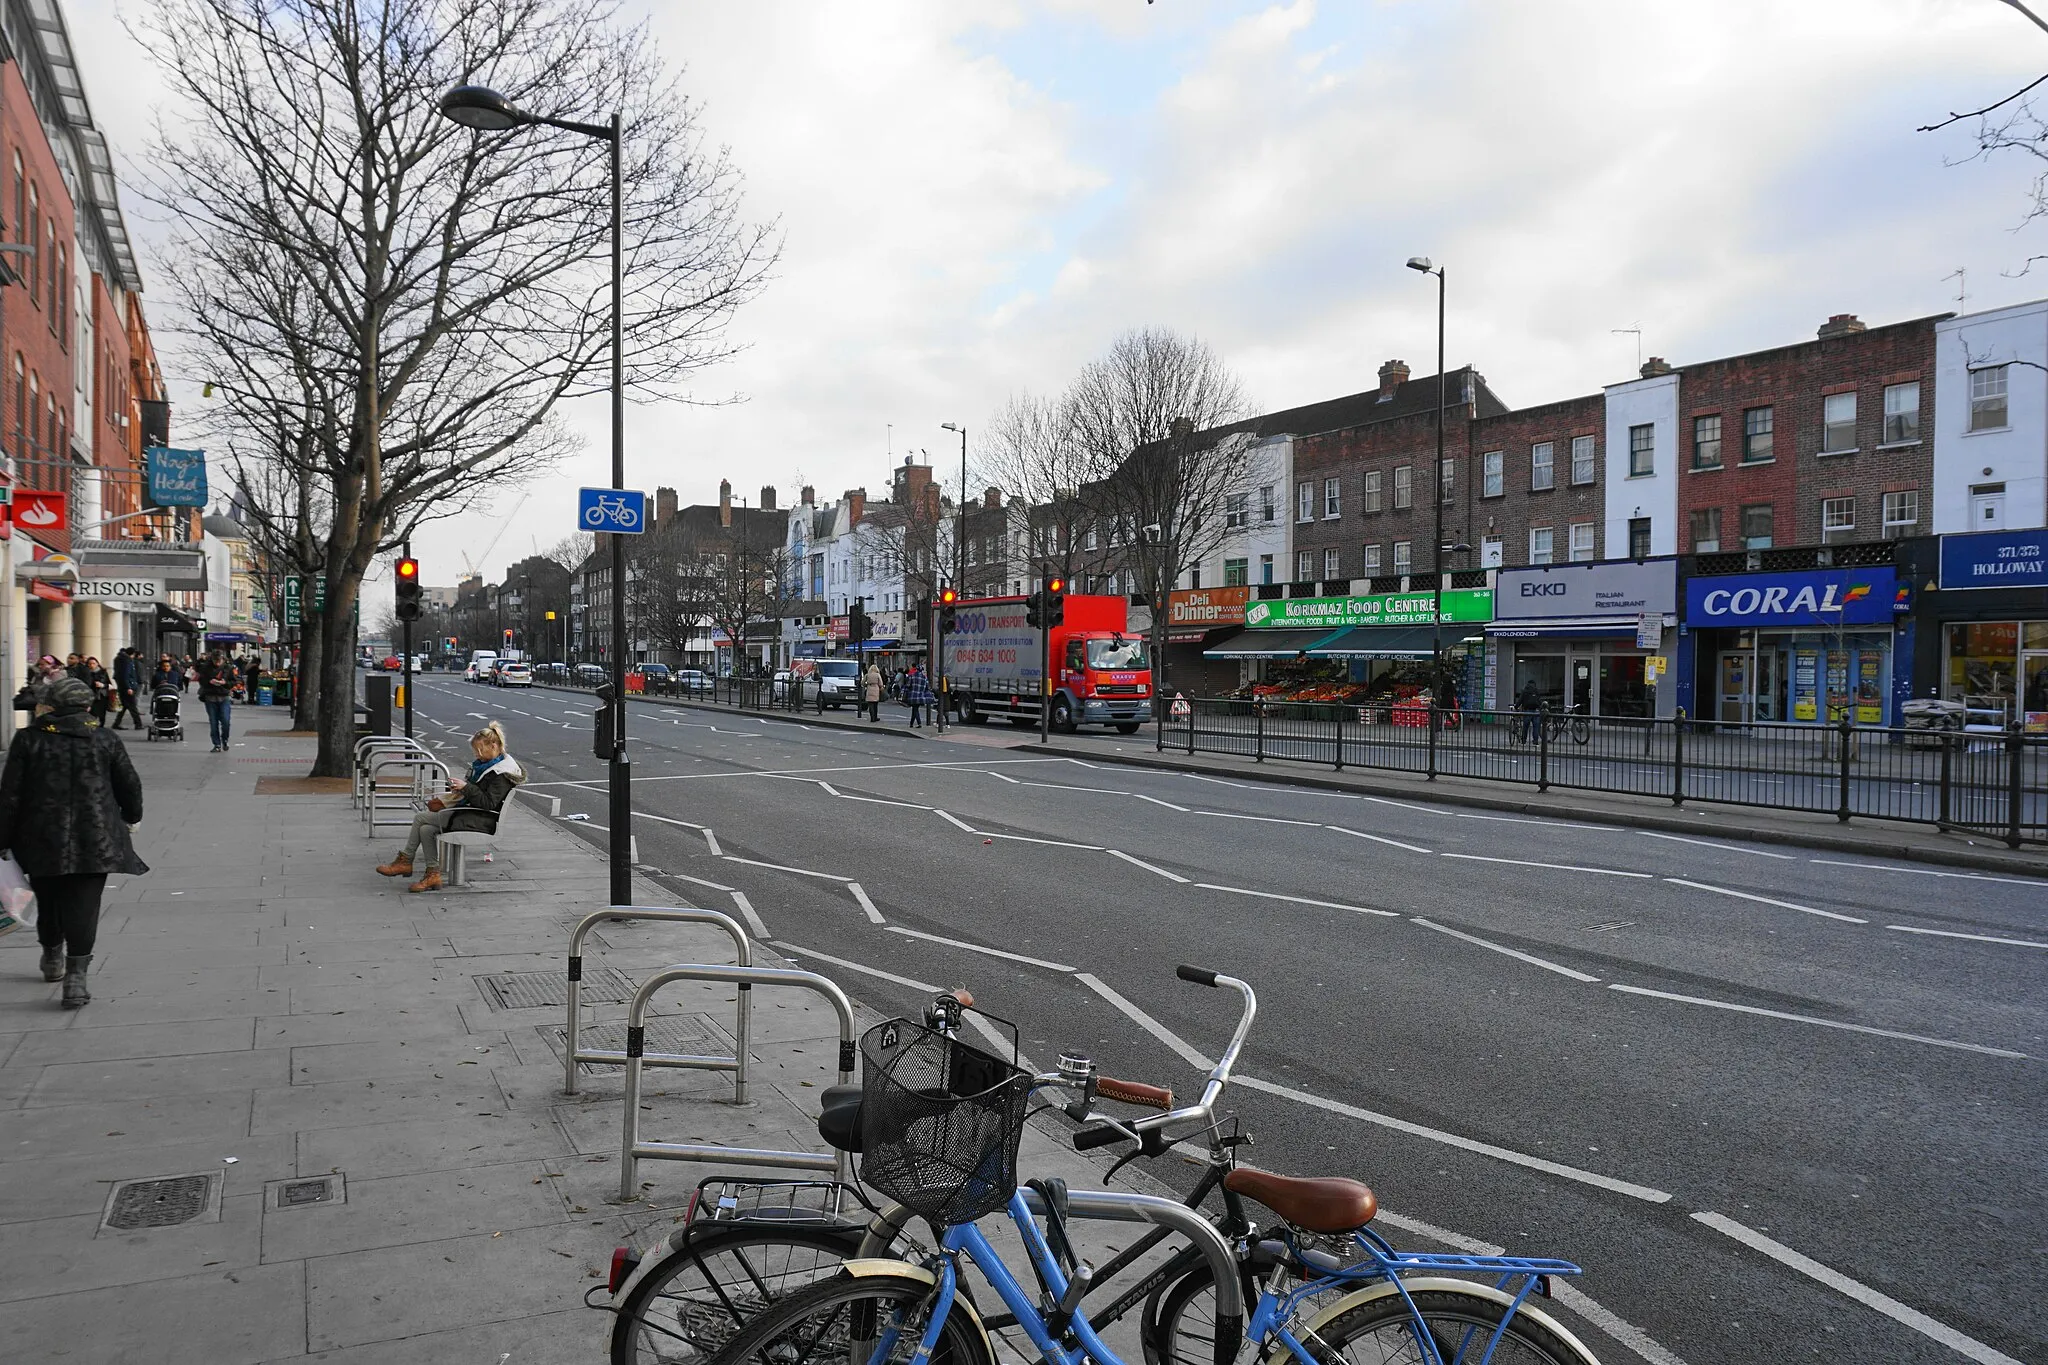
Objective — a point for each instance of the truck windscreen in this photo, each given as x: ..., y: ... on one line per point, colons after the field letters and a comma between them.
x: 1120, y: 655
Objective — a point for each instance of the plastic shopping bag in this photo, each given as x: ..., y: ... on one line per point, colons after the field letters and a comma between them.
x: 17, y: 900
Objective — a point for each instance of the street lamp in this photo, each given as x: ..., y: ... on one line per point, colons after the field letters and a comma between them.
x: 959, y: 551
x: 487, y: 111
x: 1436, y: 615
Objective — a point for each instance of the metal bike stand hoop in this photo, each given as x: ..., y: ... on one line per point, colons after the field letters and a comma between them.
x: 737, y: 1063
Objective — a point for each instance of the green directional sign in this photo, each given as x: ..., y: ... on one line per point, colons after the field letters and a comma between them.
x: 291, y: 601
x: 295, y: 596
x: 1376, y: 609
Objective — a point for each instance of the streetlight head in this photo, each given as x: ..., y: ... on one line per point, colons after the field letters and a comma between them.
x: 482, y: 108
x: 948, y: 426
x: 1421, y: 263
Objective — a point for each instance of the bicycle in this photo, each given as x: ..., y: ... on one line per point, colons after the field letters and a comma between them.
x: 1554, y: 725
x: 940, y: 1125
x: 615, y: 510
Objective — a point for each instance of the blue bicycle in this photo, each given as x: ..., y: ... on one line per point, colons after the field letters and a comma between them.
x: 939, y: 1126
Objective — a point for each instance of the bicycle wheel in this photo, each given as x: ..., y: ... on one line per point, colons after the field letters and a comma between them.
x: 1180, y: 1324
x: 1582, y: 729
x: 1381, y: 1332
x: 848, y: 1321
x: 695, y: 1299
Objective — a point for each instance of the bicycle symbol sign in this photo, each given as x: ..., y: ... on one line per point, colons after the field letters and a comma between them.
x: 620, y: 511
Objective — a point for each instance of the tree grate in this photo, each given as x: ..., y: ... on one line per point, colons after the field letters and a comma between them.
x: 162, y: 1202
x: 536, y: 990
x: 692, y: 1035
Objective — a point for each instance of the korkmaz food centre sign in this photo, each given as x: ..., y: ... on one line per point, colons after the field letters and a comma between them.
x: 1379, y: 609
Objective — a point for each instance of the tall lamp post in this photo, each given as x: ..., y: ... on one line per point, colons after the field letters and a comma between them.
x: 1436, y: 493
x: 959, y: 550
x: 487, y: 111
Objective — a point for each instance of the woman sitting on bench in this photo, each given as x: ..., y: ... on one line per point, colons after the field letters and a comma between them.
x: 472, y: 805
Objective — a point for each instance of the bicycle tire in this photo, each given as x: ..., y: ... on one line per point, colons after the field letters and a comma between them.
x: 1582, y: 729
x: 1456, y: 1321
x: 673, y: 1312
x: 836, y: 1319
x: 1180, y: 1325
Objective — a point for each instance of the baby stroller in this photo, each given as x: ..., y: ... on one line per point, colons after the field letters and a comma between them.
x: 163, y: 715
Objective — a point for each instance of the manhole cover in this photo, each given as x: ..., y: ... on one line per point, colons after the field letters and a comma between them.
x: 693, y: 1035
x: 534, y: 990
x: 319, y: 1189
x: 162, y: 1202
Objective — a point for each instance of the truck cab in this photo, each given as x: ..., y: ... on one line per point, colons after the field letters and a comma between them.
x: 1104, y: 678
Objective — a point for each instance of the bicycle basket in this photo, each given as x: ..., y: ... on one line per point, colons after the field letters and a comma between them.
x: 940, y: 1122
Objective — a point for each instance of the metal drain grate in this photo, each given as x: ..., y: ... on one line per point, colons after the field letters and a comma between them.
x: 319, y: 1189
x: 535, y: 990
x: 686, y: 1034
x: 162, y: 1202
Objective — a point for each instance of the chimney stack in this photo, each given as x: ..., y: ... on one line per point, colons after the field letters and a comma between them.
x: 1393, y: 375
x: 767, y: 497
x: 1183, y: 427
x: 809, y: 496
x: 992, y: 498
x: 1840, y: 325
x: 725, y: 502
x: 856, y: 505
x: 664, y: 505
x: 1655, y: 366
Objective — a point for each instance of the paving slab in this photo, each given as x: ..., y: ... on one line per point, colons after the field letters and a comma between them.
x: 221, y: 1317
x: 95, y: 1042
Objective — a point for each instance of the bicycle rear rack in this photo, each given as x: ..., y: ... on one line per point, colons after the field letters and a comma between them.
x: 632, y: 1149
x: 572, y: 1054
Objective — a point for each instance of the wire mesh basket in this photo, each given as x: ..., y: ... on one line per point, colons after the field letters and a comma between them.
x: 940, y: 1122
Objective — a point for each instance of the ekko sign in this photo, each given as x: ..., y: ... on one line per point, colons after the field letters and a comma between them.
x: 1814, y: 597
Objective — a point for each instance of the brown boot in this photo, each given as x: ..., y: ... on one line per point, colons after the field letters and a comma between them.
x: 401, y: 866
x: 430, y: 882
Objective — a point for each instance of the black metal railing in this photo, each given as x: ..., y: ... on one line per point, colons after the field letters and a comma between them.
x: 1992, y: 781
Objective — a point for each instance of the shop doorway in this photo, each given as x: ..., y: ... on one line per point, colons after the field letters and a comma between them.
x: 1749, y: 686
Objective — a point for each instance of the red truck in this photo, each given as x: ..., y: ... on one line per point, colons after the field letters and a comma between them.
x: 1102, y: 673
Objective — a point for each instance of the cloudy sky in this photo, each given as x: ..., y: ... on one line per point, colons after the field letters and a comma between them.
x: 978, y: 194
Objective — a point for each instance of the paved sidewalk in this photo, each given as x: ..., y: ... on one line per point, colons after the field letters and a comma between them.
x: 269, y: 1010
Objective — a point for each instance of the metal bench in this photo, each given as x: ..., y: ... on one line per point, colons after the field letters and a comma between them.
x: 451, y: 852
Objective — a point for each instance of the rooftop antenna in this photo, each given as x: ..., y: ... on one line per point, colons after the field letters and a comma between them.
x: 1962, y: 278
x: 1635, y: 331
x: 889, y: 442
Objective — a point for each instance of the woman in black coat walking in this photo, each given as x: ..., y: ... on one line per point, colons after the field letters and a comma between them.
x: 67, y: 798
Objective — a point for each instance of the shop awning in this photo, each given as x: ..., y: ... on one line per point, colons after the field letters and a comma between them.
x: 1387, y: 642
x: 1576, y: 627
x: 1271, y: 644
x: 170, y: 618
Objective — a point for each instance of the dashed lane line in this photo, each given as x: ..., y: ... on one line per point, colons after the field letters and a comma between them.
x: 1157, y: 802
x: 1261, y: 819
x: 746, y: 908
x: 867, y: 907
x: 667, y: 820
x: 954, y: 820
x: 910, y: 981
x: 1975, y: 938
x: 1766, y: 900
x: 1504, y: 950
x: 1298, y: 900
x: 980, y: 948
x: 1140, y: 862
x: 1853, y: 1289
x: 1929, y: 872
x: 711, y: 839
x: 1821, y: 1023
x: 1554, y: 867
x: 1377, y: 838
x: 782, y: 867
x: 699, y: 881
x: 1145, y: 1021
x: 1029, y: 839
x: 1725, y: 848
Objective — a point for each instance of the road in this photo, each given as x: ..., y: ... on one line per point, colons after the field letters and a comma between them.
x: 1781, y: 1105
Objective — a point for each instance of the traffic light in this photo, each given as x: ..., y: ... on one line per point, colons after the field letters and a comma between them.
x: 451, y: 644
x: 856, y: 622
x: 1034, y: 609
x: 949, y: 608
x: 508, y: 635
x: 408, y: 590
x: 1056, y: 602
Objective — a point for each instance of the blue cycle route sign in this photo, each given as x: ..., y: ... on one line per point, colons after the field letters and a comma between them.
x: 617, y: 511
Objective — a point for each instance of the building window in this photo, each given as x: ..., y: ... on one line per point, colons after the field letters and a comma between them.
x: 1584, y: 461
x: 1837, y: 423
x: 1372, y: 490
x: 1269, y: 507
x: 1493, y: 474
x: 1756, y: 435
x: 1372, y: 560
x: 20, y: 196
x: 1837, y: 519
x: 1582, y: 541
x: 1332, y: 498
x: 1706, y: 530
x: 1088, y: 541
x: 1304, y: 566
x: 1237, y: 511
x: 1305, y: 502
x: 1706, y: 442
x: 1233, y: 573
x: 1540, y: 545
x: 1756, y: 526
x: 1333, y: 564
x: 1404, y: 556
x: 1447, y: 477
x: 1987, y: 395
x: 1901, y: 513
x: 1639, y: 538
x: 29, y: 237
x: 1542, y: 472
x: 1265, y: 568
x: 1901, y: 413
x: 1404, y: 486
x: 1642, y: 450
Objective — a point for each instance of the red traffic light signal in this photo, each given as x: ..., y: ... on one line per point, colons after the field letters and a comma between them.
x: 408, y: 593
x: 408, y: 571
x: 948, y: 597
x: 1056, y: 586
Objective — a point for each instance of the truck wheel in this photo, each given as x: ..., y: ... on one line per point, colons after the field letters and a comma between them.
x: 1062, y: 716
x: 1127, y: 727
x: 971, y: 714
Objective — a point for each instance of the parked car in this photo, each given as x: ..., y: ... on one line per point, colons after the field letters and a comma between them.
x: 691, y: 682
x: 590, y: 675
x: 838, y: 682
x: 514, y: 673
x: 779, y: 687
x: 656, y: 678
x: 392, y: 663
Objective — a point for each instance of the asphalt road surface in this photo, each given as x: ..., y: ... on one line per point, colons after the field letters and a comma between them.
x: 1780, y: 1105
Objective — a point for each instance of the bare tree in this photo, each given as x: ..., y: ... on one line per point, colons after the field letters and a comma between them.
x: 669, y: 589
x: 1034, y: 451
x: 424, y: 295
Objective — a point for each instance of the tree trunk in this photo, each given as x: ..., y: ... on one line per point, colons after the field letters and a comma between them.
x: 306, y: 693
x: 337, y: 678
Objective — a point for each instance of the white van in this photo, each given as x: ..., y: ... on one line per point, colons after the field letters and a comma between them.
x: 480, y: 662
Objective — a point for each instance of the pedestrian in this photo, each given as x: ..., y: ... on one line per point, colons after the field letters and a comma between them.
x: 249, y: 671
x: 871, y: 691
x: 917, y: 695
x: 477, y: 800
x: 216, y: 694
x: 1529, y: 701
x: 68, y: 798
x: 127, y: 680
x: 102, y: 686
x: 74, y: 664
x: 168, y: 676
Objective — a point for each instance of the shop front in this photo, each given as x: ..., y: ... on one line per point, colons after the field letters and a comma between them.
x: 1806, y: 647
x: 1360, y: 648
x: 1586, y: 636
x: 1985, y: 628
x: 1196, y: 619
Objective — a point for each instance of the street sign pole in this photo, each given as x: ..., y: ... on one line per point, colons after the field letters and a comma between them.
x: 406, y: 672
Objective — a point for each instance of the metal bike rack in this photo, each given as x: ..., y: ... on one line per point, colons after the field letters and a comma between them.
x: 420, y: 766
x: 370, y: 745
x: 737, y: 1063
x: 631, y: 1148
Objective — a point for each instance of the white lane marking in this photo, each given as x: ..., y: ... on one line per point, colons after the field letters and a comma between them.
x: 867, y: 906
x: 1006, y: 778
x: 1157, y: 802
x: 697, y: 881
x: 593, y: 784
x: 1146, y: 1022
x: 711, y: 838
x: 1535, y: 1163
x: 1766, y: 900
x: 1140, y: 862
x: 1404, y: 805
x: 954, y: 820
x: 980, y: 948
x: 1262, y: 819
x: 1929, y: 872
x: 1198, y: 777
x: 912, y: 982
x: 1505, y: 951
x: 1520, y: 820
x: 879, y: 801
x: 1977, y: 938
x: 997, y: 1040
x: 667, y: 820
x: 1821, y: 1023
x: 1070, y: 787
x: 853, y: 768
x: 1377, y: 838
x: 1027, y: 839
x: 1297, y: 900
x: 1554, y: 867
x: 1725, y: 848
x: 780, y: 867
x: 1861, y: 1293
x: 1079, y: 764
x: 746, y: 906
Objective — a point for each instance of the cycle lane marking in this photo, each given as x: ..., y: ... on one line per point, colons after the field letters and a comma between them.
x: 1930, y: 872
x: 965, y: 946
x: 1855, y: 1289
x: 912, y: 982
x: 1977, y: 938
x: 1174, y: 1042
x: 1765, y: 900
x: 1298, y: 900
x: 1820, y: 1023
x: 1377, y: 838
x: 746, y: 908
x: 867, y: 906
x: 1554, y: 867
x: 1708, y: 843
x: 1503, y: 949
x: 1140, y: 862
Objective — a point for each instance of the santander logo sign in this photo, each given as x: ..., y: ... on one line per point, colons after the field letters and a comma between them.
x: 39, y: 509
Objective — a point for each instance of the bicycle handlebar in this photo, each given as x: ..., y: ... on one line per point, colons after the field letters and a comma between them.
x: 1157, y: 1130
x: 1134, y: 1092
